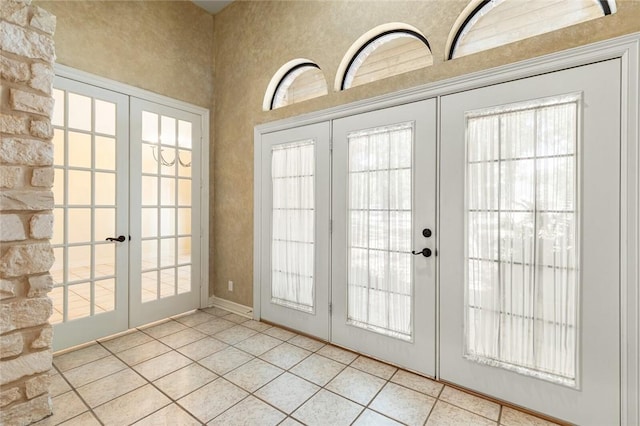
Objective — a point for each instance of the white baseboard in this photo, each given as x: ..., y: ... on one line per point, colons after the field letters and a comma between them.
x: 230, y: 306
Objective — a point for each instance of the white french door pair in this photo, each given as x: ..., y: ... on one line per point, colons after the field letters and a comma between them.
x: 126, y: 193
x: 340, y: 227
x: 524, y: 238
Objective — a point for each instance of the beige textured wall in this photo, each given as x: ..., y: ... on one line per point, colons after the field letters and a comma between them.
x: 253, y: 39
x: 161, y: 46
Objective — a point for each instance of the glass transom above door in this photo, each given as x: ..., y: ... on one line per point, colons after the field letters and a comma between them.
x: 522, y: 292
x: 293, y: 225
x: 379, y: 275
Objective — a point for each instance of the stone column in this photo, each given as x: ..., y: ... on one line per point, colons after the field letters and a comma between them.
x: 27, y: 56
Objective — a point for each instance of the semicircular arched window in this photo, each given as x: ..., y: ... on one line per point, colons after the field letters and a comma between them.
x: 388, y: 53
x: 486, y: 24
x: 297, y: 81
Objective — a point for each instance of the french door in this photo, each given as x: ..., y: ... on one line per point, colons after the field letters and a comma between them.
x: 125, y: 250
x: 295, y: 225
x: 383, y: 204
x: 374, y: 296
x: 530, y: 243
x: 90, y: 274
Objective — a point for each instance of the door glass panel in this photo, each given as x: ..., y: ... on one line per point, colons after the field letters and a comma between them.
x: 521, y: 259
x: 159, y: 185
x: 379, y: 283
x: 293, y: 222
x: 82, y: 255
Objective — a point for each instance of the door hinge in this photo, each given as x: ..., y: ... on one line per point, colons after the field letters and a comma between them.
x: 331, y: 145
x: 330, y: 308
x: 330, y: 226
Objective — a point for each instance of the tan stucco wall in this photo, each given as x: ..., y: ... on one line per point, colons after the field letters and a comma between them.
x: 254, y: 39
x: 165, y: 47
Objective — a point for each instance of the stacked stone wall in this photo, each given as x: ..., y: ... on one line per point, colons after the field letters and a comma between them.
x: 27, y: 56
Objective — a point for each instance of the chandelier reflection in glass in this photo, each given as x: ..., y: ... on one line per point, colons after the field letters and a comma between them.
x: 165, y: 162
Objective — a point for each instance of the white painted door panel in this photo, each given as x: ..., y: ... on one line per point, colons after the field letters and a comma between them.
x: 587, y: 392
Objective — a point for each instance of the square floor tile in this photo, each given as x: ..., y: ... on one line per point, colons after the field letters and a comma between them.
x: 253, y: 375
x: 326, y: 408
x: 256, y: 325
x: 124, y: 342
x: 85, y: 419
x: 184, y: 381
x: 58, y: 385
x: 95, y: 370
x: 318, y: 369
x: 287, y: 392
x: 258, y: 344
x: 445, y: 414
x: 80, y: 357
x: 65, y: 407
x: 212, y: 399
x: 416, y: 382
x: 182, y: 338
x: 171, y: 415
x: 238, y: 319
x: 226, y: 360
x: 306, y: 343
x: 132, y: 406
x: 215, y: 325
x: 249, y: 412
x: 369, y: 418
x: 162, y: 365
x: 164, y: 329
x: 356, y: 385
x: 202, y: 348
x: 193, y: 319
x: 374, y: 367
x: 472, y: 403
x: 235, y: 334
x: 337, y: 354
x: 402, y: 404
x: 511, y: 417
x: 110, y: 387
x: 286, y: 355
x: 280, y: 333
x: 143, y: 352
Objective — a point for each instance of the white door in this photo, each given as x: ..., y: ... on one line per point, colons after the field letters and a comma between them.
x: 383, y: 203
x: 165, y: 206
x: 90, y: 297
x: 530, y: 244
x: 295, y: 229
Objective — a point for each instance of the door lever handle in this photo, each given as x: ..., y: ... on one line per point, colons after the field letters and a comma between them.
x: 120, y: 239
x: 425, y: 252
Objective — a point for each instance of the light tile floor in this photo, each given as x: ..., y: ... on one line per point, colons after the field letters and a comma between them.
x: 217, y: 368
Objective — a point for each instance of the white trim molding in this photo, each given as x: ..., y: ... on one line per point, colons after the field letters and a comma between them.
x: 627, y: 49
x: 230, y: 306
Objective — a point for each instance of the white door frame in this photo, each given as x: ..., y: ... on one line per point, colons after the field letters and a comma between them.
x: 115, y: 86
x: 627, y: 48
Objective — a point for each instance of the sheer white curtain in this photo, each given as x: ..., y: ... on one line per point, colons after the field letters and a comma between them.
x: 522, y: 256
x: 379, y: 248
x: 293, y: 224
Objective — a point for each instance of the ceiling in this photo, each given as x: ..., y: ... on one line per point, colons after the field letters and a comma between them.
x: 212, y: 6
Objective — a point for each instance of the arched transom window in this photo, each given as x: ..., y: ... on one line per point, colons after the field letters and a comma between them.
x: 386, y: 53
x: 486, y: 24
x: 296, y: 81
